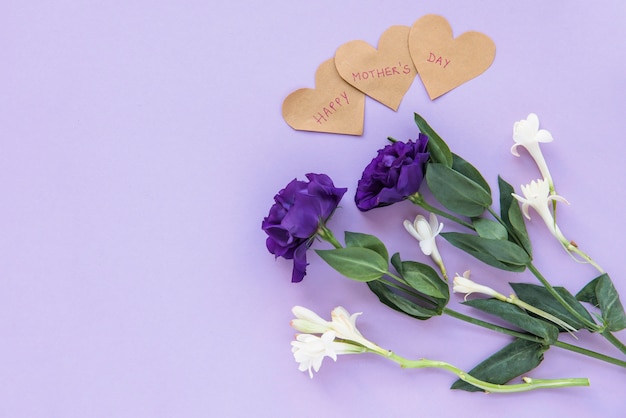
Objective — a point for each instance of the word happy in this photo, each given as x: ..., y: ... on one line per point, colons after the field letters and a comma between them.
x: 333, y: 106
x: 438, y: 60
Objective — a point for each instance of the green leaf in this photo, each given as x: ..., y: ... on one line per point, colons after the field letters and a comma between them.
x: 512, y: 215
x: 439, y: 150
x: 356, y: 239
x: 540, y: 297
x: 455, y: 191
x: 487, y: 228
x: 513, y: 360
x: 461, y: 166
x: 424, y: 279
x: 396, y: 262
x: 600, y: 292
x: 504, y: 255
x: 401, y: 304
x: 518, y: 317
x: 361, y: 264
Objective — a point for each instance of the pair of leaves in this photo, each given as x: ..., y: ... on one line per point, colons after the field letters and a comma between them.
x: 429, y: 288
x: 515, y: 359
x: 600, y: 292
x: 401, y: 303
x: 454, y: 182
x: 504, y: 255
x: 512, y: 217
x: 422, y: 278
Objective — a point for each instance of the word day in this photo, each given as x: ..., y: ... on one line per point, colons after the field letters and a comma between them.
x: 382, y: 72
x: 438, y: 60
x: 333, y: 107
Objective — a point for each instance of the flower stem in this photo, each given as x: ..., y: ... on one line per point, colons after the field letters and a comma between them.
x: 418, y: 200
x: 529, y: 384
x: 574, y: 249
x: 613, y: 340
x: 327, y: 235
x: 589, y: 353
x: 518, y: 302
x: 489, y: 325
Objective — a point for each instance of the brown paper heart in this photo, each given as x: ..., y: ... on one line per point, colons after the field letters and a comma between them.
x: 334, y: 106
x: 444, y: 62
x: 384, y: 74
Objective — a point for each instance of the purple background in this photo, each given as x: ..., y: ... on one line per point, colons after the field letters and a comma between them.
x: 141, y: 143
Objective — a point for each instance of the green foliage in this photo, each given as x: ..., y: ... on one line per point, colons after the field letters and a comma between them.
x: 455, y: 191
x: 422, y: 278
x: 356, y: 239
x: 401, y: 304
x: 518, y: 317
x: 439, y: 150
x: 357, y: 263
x: 487, y: 228
x: 600, y: 292
x: 512, y: 217
x: 463, y: 167
x: 504, y: 255
x: 541, y: 298
x: 513, y: 360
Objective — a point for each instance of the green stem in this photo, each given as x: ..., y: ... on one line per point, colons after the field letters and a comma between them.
x: 529, y: 384
x: 590, y: 353
x: 574, y: 249
x: 418, y: 200
x: 613, y: 340
x: 518, y: 302
x: 327, y: 235
x: 491, y: 326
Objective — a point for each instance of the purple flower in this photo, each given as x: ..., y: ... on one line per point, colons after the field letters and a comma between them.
x: 395, y: 174
x: 300, y: 208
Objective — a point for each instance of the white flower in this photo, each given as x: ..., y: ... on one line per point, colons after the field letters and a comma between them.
x: 463, y: 284
x: 309, y: 350
x: 425, y: 232
x: 537, y: 195
x: 526, y: 133
x: 342, y: 324
x: 308, y: 321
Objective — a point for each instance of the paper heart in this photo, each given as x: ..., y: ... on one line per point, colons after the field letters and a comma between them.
x: 444, y: 62
x: 334, y: 106
x: 385, y: 74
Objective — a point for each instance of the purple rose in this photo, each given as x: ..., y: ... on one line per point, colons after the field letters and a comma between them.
x: 396, y: 173
x: 300, y: 208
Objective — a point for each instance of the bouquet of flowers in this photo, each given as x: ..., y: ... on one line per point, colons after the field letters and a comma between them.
x: 537, y: 313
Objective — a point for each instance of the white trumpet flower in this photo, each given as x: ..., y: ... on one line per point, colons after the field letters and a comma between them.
x: 537, y: 195
x: 425, y: 233
x: 338, y: 336
x: 463, y: 284
x: 526, y: 133
x: 309, y: 350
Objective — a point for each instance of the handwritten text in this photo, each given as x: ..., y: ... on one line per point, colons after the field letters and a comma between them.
x: 333, y: 106
x: 438, y: 60
x: 382, y: 72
